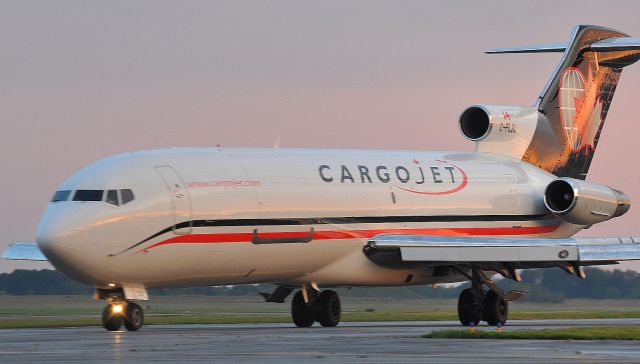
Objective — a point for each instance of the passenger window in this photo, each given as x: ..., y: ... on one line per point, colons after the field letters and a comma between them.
x: 61, y: 196
x: 112, y: 197
x: 127, y: 196
x: 88, y: 195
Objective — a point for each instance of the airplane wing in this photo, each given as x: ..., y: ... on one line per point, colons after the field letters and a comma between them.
x: 497, y: 253
x: 24, y: 250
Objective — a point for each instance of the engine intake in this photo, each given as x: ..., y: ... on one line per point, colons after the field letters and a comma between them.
x: 474, y: 123
x: 584, y: 203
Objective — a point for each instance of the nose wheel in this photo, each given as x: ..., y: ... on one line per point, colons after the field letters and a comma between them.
x: 110, y: 320
x: 117, y: 313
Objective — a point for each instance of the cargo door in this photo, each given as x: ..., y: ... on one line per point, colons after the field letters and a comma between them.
x: 180, y: 200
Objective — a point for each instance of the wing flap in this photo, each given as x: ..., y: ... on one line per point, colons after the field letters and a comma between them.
x: 487, y: 254
x: 24, y: 250
x: 521, y: 252
x: 620, y: 252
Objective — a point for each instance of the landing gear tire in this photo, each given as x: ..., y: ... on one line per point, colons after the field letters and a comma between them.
x: 110, y: 320
x: 469, y: 308
x: 328, y: 308
x: 133, y: 317
x: 303, y: 314
x: 495, y: 309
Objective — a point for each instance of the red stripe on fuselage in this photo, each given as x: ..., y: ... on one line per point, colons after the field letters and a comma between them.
x: 351, y: 234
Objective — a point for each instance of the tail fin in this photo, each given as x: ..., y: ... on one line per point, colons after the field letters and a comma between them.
x: 574, y: 103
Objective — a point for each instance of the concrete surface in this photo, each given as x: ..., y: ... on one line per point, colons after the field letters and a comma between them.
x: 370, y: 342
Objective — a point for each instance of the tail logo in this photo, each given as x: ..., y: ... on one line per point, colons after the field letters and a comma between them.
x: 580, y: 107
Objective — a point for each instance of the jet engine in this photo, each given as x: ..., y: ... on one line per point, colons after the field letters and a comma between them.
x: 499, y: 129
x: 584, y: 203
x: 480, y: 122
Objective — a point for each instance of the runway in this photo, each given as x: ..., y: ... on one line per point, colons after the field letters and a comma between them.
x: 368, y: 342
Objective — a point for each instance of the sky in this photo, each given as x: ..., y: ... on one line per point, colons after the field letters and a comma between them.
x: 82, y: 80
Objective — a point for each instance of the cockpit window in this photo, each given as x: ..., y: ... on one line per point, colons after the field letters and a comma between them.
x: 127, y: 196
x: 112, y: 197
x: 88, y: 195
x: 61, y: 196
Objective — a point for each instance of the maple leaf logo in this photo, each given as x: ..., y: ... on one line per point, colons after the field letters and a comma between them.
x: 588, y: 108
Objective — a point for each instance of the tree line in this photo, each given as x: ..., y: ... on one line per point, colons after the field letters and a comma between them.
x: 543, y: 285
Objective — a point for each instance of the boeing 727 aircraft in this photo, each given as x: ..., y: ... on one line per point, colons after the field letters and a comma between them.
x: 309, y: 220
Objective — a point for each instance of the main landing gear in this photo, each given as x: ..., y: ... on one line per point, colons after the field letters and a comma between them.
x: 309, y: 306
x: 118, y: 312
x: 475, y: 305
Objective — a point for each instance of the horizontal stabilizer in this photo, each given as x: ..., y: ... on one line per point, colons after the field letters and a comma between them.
x: 605, y: 45
x: 539, y: 48
x: 616, y: 44
x: 24, y: 250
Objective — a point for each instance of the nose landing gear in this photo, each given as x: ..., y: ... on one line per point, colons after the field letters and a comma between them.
x: 111, y: 320
x: 117, y: 312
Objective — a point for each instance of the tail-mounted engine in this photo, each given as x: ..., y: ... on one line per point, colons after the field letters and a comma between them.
x: 499, y: 129
x: 584, y: 203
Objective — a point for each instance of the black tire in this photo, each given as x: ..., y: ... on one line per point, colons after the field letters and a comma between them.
x: 495, y: 309
x: 469, y: 308
x: 328, y: 309
x: 133, y: 317
x: 303, y: 315
x: 111, y: 321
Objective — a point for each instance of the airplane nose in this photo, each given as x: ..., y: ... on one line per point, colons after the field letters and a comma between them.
x: 55, y: 241
x: 62, y: 245
x: 50, y: 238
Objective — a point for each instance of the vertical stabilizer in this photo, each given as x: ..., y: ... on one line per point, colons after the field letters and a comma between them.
x: 573, y: 105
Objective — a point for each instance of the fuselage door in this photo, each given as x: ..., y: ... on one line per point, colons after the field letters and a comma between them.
x: 180, y: 201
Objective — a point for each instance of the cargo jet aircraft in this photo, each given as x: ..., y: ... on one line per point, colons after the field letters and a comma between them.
x: 308, y: 220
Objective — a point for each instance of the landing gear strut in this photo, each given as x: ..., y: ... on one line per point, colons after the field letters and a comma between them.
x: 324, y: 307
x: 474, y: 304
x: 118, y: 312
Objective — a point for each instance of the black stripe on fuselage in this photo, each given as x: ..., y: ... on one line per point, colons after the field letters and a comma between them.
x: 343, y: 221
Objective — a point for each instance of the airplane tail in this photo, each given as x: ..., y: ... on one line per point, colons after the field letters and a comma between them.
x: 573, y: 106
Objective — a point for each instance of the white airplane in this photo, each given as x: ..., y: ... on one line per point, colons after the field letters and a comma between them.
x: 308, y: 220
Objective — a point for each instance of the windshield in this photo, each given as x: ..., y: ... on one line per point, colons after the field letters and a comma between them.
x: 88, y: 195
x: 61, y: 196
x: 114, y: 197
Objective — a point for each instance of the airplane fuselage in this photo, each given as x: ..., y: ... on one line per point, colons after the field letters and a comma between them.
x: 292, y: 216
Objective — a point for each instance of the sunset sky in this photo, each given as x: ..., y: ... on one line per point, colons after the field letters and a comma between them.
x: 82, y: 80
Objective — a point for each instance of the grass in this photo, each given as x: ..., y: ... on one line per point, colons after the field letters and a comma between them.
x: 572, y: 333
x: 65, y: 311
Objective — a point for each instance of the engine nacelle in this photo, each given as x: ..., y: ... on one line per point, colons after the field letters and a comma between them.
x: 584, y: 203
x: 490, y: 122
x: 499, y: 129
